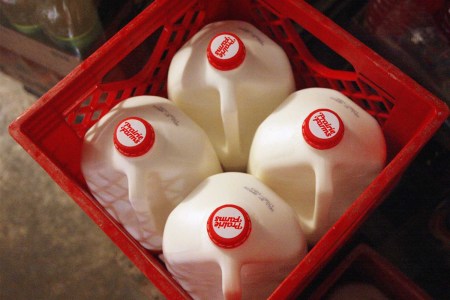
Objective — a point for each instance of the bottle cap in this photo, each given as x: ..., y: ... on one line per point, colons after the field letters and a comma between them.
x: 229, y: 226
x: 323, y: 129
x: 134, y: 137
x: 225, y: 51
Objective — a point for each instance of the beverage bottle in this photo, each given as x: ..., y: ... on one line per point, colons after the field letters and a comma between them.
x: 22, y: 15
x: 73, y: 25
x: 318, y: 151
x: 141, y: 159
x: 229, y: 77
x: 232, y: 238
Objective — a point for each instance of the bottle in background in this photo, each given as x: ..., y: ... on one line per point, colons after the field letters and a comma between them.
x: 73, y: 25
x: 22, y: 15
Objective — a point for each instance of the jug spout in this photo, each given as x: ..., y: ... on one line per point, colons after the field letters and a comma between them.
x: 231, y: 279
x: 322, y: 203
x: 138, y: 194
x: 230, y: 117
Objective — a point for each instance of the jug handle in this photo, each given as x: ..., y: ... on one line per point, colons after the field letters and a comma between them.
x: 324, y: 196
x: 231, y: 279
x: 137, y: 195
x: 230, y: 117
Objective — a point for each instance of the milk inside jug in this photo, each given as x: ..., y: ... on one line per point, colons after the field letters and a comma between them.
x: 319, y: 151
x: 232, y: 237
x: 228, y: 78
x: 141, y: 159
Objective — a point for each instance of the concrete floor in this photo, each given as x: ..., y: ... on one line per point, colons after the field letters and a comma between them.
x: 49, y: 249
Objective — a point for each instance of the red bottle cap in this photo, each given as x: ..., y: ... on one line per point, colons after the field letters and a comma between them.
x: 323, y: 129
x: 134, y: 137
x: 225, y: 51
x: 229, y: 226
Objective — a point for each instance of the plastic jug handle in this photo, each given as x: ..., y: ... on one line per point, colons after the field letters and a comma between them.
x: 231, y: 279
x: 324, y: 196
x: 138, y: 196
x: 230, y: 117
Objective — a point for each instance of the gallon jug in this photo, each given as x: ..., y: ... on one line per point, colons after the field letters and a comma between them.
x: 228, y: 78
x: 319, y: 151
x: 232, y: 238
x: 141, y: 159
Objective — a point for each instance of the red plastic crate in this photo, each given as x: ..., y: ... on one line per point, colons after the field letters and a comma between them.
x: 52, y: 130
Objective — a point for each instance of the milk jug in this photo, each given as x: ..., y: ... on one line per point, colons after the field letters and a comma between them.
x: 232, y: 238
x: 228, y: 78
x: 141, y: 159
x: 319, y: 151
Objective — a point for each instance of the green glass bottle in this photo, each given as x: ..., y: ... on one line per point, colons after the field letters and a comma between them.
x: 21, y: 15
x: 73, y: 25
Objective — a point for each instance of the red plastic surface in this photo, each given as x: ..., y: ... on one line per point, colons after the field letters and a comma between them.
x: 52, y: 130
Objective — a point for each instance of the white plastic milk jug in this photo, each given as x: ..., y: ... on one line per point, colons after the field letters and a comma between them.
x: 141, y: 159
x: 319, y: 151
x: 232, y: 238
x: 228, y: 78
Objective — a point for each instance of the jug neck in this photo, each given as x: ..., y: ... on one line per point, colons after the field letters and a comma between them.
x: 134, y: 137
x: 226, y: 51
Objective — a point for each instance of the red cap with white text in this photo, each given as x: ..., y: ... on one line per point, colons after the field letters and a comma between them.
x: 229, y: 226
x: 226, y: 51
x: 134, y: 137
x: 323, y: 129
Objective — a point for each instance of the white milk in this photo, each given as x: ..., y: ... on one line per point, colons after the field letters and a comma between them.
x: 228, y: 78
x: 232, y: 237
x: 141, y: 159
x: 318, y: 151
